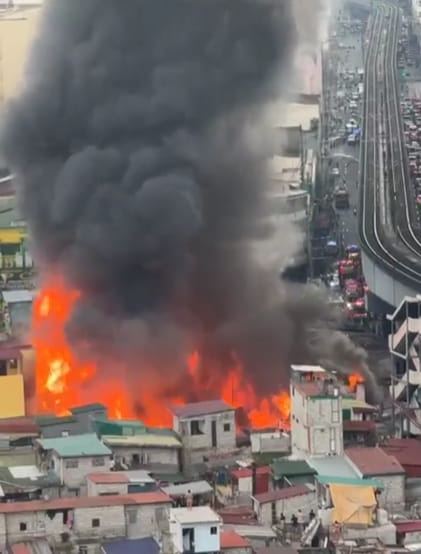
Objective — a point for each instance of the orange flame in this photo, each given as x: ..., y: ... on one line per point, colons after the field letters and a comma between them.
x: 353, y: 380
x: 63, y: 382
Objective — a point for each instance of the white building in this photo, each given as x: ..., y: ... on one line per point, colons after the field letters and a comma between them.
x: 205, y: 428
x: 73, y: 458
x: 195, y: 530
x: 83, y: 522
x: 316, y: 413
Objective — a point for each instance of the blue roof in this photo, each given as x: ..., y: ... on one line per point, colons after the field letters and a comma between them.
x: 135, y: 546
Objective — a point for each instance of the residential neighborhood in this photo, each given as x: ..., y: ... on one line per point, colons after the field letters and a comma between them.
x: 89, y: 484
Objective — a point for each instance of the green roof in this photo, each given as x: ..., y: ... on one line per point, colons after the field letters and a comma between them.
x: 88, y: 408
x: 76, y: 446
x: 51, y: 419
x: 332, y: 480
x: 291, y: 468
x: 119, y: 428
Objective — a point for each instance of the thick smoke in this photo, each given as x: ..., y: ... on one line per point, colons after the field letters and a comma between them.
x: 141, y: 170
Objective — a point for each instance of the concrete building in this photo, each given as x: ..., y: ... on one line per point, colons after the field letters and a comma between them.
x: 205, y: 428
x: 148, y: 450
x: 250, y: 481
x: 404, y: 344
x: 196, y: 530
x: 359, y: 427
x: 316, y: 412
x: 76, y: 522
x: 269, y: 506
x: 270, y: 440
x: 119, y: 482
x: 374, y: 463
x: 73, y: 458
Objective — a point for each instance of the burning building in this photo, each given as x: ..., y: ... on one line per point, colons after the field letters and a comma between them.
x: 140, y: 160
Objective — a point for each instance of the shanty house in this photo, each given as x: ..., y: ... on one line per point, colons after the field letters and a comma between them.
x: 73, y: 458
x: 205, y: 428
x: 374, y: 463
x: 120, y: 482
x: 78, y: 522
x: 195, y: 530
x: 80, y: 421
x: 269, y: 506
x: 136, y: 446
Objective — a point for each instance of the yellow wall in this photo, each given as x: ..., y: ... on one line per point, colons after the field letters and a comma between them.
x: 12, y: 399
x: 16, y: 36
x: 12, y: 235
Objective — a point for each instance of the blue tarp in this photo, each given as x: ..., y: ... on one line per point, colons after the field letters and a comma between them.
x: 135, y: 546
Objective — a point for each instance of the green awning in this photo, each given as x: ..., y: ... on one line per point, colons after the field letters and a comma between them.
x: 328, y: 480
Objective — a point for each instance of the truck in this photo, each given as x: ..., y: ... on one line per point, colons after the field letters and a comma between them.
x: 341, y: 198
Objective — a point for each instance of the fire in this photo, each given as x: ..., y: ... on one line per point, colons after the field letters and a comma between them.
x: 63, y: 381
x: 353, y: 380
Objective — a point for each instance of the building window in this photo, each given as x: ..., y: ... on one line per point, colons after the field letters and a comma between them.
x: 332, y: 440
x: 227, y: 427
x: 335, y: 410
x: 214, y: 530
x: 83, y: 549
x: 71, y: 464
x: 98, y: 462
x: 196, y: 427
x: 132, y: 516
x: 22, y: 526
x: 95, y: 522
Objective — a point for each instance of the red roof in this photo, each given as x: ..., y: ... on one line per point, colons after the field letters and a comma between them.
x: 20, y: 548
x: 18, y: 426
x: 281, y: 494
x: 367, y: 426
x: 75, y: 502
x: 406, y: 451
x: 410, y: 526
x: 237, y: 515
x: 248, y: 472
x: 231, y: 539
x: 371, y: 461
x: 112, y: 478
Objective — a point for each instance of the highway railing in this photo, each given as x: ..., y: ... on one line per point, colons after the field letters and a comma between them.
x: 384, y: 183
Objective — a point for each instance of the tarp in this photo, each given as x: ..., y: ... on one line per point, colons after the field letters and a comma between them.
x: 353, y: 505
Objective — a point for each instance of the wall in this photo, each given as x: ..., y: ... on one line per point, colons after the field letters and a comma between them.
x: 225, y: 439
x: 144, y: 520
x: 316, y: 424
x: 304, y: 502
x: 12, y: 398
x: 148, y: 455
x: 38, y: 524
x: 96, y: 489
x: 112, y: 522
x: 393, y: 495
x: 74, y: 477
x: 237, y: 550
x: 203, y: 539
x: 16, y: 36
x: 275, y: 441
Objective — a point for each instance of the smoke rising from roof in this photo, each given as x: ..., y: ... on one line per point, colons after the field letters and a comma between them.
x: 141, y: 167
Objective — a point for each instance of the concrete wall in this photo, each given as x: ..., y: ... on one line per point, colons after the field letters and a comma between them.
x: 112, y: 522
x: 316, y: 424
x: 96, y: 489
x: 237, y: 550
x: 304, y: 502
x: 225, y: 439
x: 75, y: 477
x: 142, y: 521
x: 147, y: 455
x: 393, y: 495
x: 275, y: 441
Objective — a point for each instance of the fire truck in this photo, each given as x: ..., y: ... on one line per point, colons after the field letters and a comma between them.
x: 353, y: 290
x: 356, y: 310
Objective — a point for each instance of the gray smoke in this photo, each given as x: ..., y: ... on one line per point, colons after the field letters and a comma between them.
x: 143, y: 188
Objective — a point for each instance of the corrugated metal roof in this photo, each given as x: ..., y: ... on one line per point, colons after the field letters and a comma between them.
x: 334, y: 466
x: 406, y: 451
x: 245, y: 472
x: 194, y: 487
x: 291, y: 468
x: 253, y: 531
x: 354, y: 403
x: 201, y: 408
x: 332, y: 480
x: 373, y: 461
x: 76, y: 446
x: 281, y: 494
x: 146, y: 439
x: 231, y: 539
x: 408, y: 526
x: 24, y: 477
x: 132, y: 546
x: 14, y: 296
x: 111, y: 477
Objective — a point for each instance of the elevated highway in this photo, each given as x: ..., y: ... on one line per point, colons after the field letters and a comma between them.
x: 390, y: 239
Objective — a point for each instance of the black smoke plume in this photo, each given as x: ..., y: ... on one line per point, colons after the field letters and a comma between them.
x: 141, y: 170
